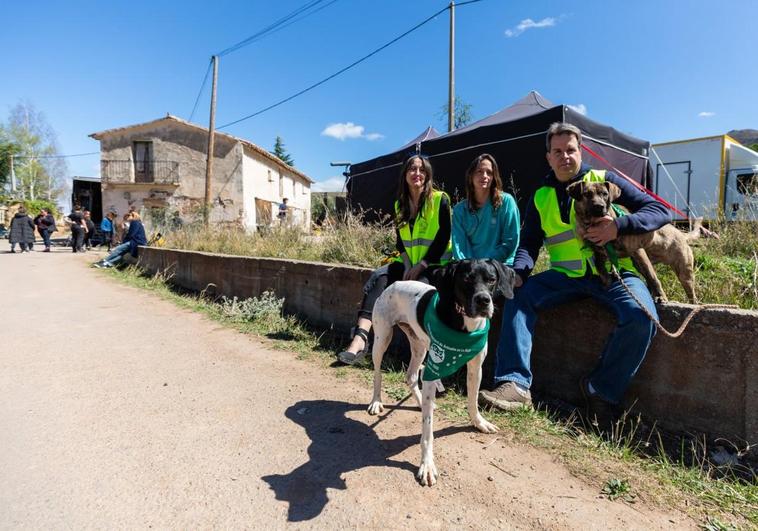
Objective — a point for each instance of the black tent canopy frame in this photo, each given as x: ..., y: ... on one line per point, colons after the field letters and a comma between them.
x: 515, y: 136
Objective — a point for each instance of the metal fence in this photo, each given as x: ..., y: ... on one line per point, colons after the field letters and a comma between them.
x: 149, y: 171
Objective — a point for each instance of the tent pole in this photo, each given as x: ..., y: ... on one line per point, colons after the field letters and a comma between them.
x: 451, y: 92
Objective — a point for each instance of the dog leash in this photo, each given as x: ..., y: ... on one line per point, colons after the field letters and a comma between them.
x: 658, y: 325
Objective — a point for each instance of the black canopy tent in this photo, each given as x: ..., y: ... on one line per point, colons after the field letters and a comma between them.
x: 515, y: 136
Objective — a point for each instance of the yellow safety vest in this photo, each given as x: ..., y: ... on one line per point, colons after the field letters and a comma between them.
x: 568, y: 253
x: 425, y: 228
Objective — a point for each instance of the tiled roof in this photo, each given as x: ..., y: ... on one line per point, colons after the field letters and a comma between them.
x: 245, y: 143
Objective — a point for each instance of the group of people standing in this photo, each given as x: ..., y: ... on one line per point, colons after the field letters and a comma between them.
x: 83, y: 229
x: 487, y: 225
x: 23, y: 226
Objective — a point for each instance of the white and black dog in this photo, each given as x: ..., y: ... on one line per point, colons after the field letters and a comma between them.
x: 466, y: 291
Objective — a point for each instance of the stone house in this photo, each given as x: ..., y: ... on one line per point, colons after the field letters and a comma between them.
x: 158, y: 167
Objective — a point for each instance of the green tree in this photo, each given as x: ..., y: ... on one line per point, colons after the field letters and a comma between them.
x: 754, y: 147
x: 39, y: 174
x: 280, y: 152
x: 6, y: 150
x: 462, y: 110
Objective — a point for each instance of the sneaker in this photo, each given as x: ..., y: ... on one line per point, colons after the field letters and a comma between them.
x: 601, y: 415
x: 507, y: 396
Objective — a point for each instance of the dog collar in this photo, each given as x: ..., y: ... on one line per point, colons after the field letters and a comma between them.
x: 449, y: 349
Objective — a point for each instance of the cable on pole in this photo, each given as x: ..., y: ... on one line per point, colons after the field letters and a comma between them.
x: 202, y: 87
x: 274, y: 26
x: 356, y: 63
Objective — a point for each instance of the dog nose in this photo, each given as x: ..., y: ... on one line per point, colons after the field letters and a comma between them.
x: 482, y: 299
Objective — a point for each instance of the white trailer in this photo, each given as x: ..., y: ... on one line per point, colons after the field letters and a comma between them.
x: 709, y: 177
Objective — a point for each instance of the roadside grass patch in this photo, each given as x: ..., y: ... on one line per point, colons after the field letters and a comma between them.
x: 717, y: 498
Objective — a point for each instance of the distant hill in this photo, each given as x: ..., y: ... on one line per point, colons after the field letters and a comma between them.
x: 746, y: 137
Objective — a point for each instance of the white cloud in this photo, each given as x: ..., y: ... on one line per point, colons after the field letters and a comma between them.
x: 581, y: 108
x: 706, y: 114
x: 342, y: 131
x: 528, y: 23
x: 332, y: 184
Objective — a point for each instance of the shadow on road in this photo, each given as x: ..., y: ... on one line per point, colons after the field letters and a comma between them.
x: 338, y: 445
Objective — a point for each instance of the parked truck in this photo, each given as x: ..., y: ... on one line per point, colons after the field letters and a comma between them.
x: 707, y: 177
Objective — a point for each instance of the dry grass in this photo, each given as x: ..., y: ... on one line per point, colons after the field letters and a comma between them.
x: 347, y: 241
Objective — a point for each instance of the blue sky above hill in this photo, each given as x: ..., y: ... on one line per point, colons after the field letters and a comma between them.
x: 657, y: 70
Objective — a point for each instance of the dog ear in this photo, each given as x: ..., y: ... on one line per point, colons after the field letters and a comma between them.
x: 443, y: 278
x: 505, y: 279
x: 575, y: 190
x: 614, y: 191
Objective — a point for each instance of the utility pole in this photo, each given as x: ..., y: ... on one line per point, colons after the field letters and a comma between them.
x: 211, y: 142
x: 451, y: 95
x: 13, y: 176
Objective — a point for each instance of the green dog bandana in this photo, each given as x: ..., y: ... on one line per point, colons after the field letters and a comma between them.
x: 449, y: 349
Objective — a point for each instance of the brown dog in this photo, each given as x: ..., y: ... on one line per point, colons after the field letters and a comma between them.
x: 666, y: 245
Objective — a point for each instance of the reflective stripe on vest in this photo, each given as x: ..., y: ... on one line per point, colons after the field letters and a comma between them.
x: 425, y: 228
x: 568, y: 253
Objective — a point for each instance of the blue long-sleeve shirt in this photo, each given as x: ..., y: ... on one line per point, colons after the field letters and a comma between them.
x: 486, y: 232
x: 646, y: 214
x: 106, y: 226
x: 135, y: 236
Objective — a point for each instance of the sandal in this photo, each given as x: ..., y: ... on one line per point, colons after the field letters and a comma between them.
x: 350, y: 358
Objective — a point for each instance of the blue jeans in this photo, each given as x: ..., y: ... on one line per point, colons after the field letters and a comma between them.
x: 626, y: 346
x: 118, y: 253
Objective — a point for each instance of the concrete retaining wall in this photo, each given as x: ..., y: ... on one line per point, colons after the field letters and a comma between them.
x: 706, y: 381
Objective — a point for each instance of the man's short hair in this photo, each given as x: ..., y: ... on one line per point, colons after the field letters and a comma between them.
x: 562, y: 128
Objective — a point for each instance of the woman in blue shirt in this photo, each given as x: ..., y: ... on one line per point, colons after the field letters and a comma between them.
x: 486, y: 224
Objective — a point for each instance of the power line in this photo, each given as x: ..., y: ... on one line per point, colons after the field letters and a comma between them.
x: 359, y: 61
x: 55, y: 156
x: 274, y: 26
x: 202, y: 86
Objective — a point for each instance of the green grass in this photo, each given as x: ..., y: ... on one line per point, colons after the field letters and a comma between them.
x: 625, y: 467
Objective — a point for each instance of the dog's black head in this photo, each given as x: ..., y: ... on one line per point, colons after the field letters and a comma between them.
x: 593, y: 199
x: 473, y: 285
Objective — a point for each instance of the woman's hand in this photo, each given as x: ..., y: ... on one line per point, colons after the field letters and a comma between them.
x: 414, y: 272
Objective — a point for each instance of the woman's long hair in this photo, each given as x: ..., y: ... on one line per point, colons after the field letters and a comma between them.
x: 403, y: 194
x: 496, y: 186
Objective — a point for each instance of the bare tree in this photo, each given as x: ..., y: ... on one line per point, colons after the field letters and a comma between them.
x: 39, y: 174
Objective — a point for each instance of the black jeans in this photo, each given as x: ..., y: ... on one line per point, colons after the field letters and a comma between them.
x: 77, y: 238
x: 379, y: 280
x: 45, y: 237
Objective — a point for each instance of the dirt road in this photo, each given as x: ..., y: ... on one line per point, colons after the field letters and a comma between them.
x: 120, y: 410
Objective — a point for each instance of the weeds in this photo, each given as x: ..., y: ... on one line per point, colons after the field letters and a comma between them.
x: 618, y: 488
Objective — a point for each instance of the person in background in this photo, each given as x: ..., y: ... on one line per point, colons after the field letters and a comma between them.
x: 78, y: 228
x: 45, y: 223
x: 90, y: 229
x: 134, y: 237
x: 422, y: 231
x: 486, y: 224
x: 282, y: 215
x: 107, y: 228
x: 22, y: 231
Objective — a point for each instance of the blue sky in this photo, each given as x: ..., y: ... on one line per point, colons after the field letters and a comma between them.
x: 659, y: 70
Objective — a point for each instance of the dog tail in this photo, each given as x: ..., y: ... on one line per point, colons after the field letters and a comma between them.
x: 698, y: 231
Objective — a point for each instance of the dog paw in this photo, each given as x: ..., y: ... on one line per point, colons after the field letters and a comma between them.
x: 427, y: 473
x: 376, y: 407
x: 485, y: 426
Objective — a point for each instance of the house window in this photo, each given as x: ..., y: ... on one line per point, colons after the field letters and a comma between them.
x: 281, y: 185
x: 143, y: 162
x: 294, y: 187
x: 270, y: 176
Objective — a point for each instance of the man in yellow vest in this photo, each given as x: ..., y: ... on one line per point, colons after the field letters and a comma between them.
x: 549, y: 219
